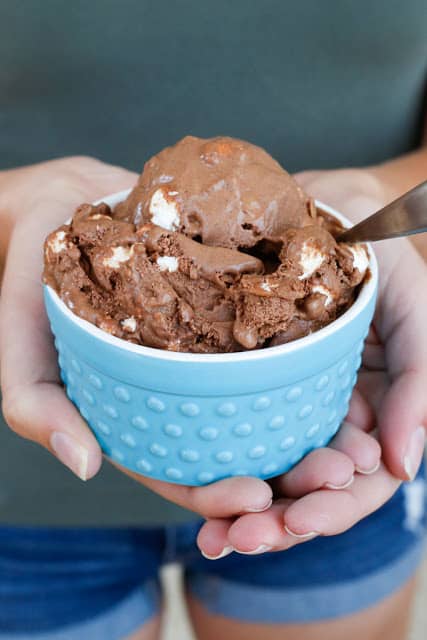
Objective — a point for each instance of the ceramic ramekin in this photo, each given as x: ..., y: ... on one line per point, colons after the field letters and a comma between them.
x: 192, y: 419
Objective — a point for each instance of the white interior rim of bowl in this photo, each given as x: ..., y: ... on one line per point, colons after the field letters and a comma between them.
x: 365, y: 295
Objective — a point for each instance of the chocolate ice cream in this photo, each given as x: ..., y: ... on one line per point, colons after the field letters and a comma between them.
x: 216, y: 249
x: 222, y: 192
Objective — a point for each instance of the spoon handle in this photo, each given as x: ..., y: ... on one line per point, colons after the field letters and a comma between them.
x: 402, y: 217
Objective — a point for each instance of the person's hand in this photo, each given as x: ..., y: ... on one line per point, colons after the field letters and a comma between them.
x: 390, y: 396
x: 35, y: 200
x: 39, y: 198
x: 352, y: 451
x: 398, y: 344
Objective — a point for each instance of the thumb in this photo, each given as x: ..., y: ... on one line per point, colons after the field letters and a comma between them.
x: 401, y: 326
x: 40, y: 412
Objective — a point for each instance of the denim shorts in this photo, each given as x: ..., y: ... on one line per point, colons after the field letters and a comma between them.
x: 68, y: 584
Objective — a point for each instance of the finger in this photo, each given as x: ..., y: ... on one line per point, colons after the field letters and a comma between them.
x: 331, y: 512
x: 42, y: 413
x: 31, y: 358
x: 323, y: 512
x: 373, y: 357
x: 360, y: 413
x: 212, y: 539
x: 401, y: 327
x: 372, y: 337
x: 344, y: 194
x: 221, y: 499
x: 373, y: 386
x: 253, y: 534
x: 290, y: 522
x: 401, y: 425
x: 73, y: 180
x: 100, y: 178
x: 56, y: 202
x: 361, y: 448
x: 34, y: 404
x: 320, y: 468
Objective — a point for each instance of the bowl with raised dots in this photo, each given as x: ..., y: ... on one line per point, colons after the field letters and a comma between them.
x: 195, y: 418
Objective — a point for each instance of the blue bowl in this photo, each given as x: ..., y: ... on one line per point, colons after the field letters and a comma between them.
x: 193, y: 419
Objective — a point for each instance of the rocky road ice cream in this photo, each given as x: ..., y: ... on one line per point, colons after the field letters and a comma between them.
x: 216, y: 249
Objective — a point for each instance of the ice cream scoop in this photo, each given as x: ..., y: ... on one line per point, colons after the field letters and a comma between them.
x: 222, y: 191
x: 216, y: 249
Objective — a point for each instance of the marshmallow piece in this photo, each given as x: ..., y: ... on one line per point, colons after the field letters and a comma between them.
x: 120, y: 255
x: 129, y: 324
x: 360, y: 259
x: 310, y: 260
x: 163, y: 212
x: 319, y: 288
x: 58, y: 243
x: 266, y: 287
x: 167, y: 263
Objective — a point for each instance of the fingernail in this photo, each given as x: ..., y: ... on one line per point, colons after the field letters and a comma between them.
x: 259, y: 509
x: 225, y: 552
x: 309, y: 534
x: 70, y: 453
x: 261, y: 549
x: 414, y: 453
x: 337, y: 487
x: 368, y: 472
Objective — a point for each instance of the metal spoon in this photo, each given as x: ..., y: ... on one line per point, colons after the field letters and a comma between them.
x: 402, y: 217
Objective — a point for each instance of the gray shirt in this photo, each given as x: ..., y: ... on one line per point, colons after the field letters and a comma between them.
x: 318, y: 84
